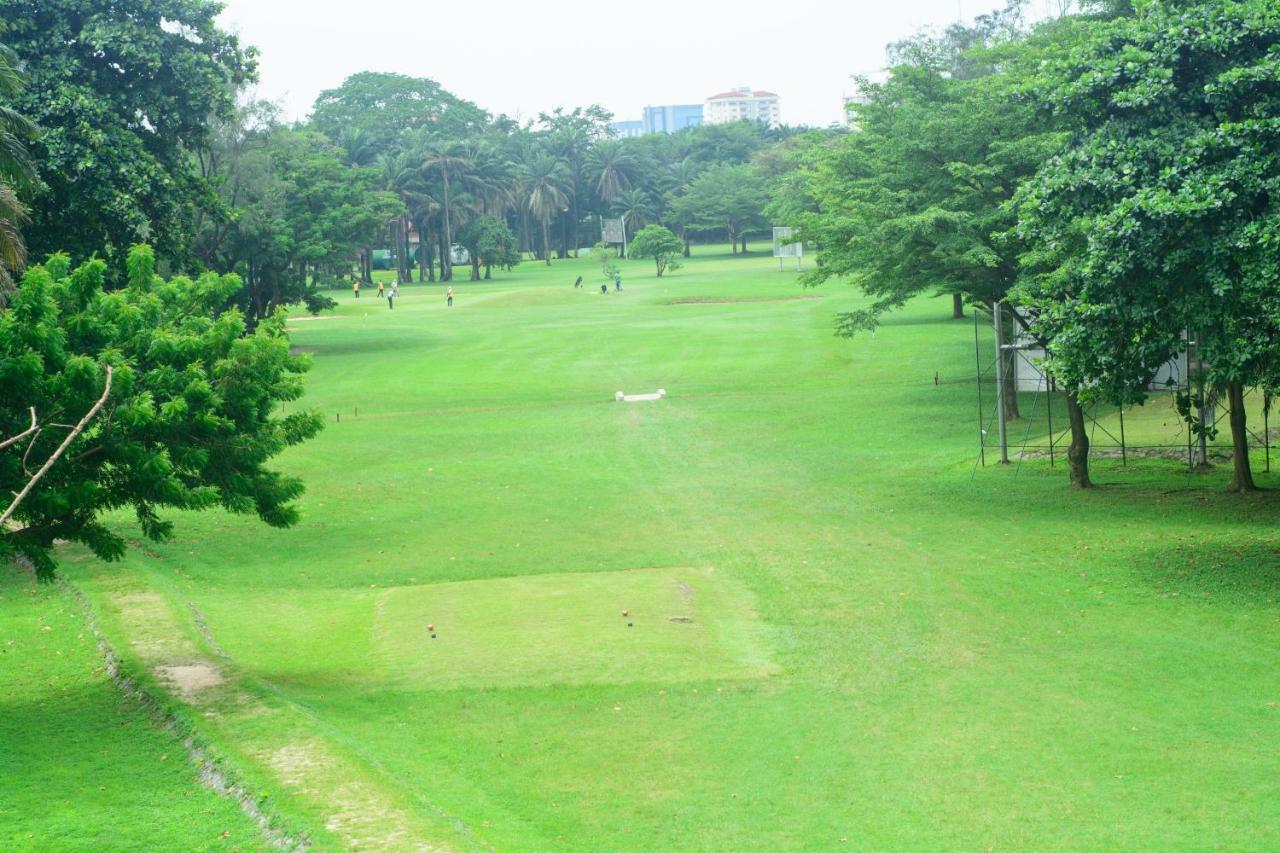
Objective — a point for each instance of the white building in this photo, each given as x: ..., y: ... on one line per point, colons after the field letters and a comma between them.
x: 740, y: 104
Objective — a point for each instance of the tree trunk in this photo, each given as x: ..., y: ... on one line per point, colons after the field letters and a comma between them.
x: 1078, y: 452
x: 577, y: 215
x: 488, y: 271
x: 1242, y: 481
x: 957, y: 306
x: 744, y: 244
x: 546, y: 240
x: 422, y: 254
x: 446, y: 259
x: 684, y: 232
x: 733, y: 241
x: 406, y: 262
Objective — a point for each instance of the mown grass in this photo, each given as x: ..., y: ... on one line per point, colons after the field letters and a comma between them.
x: 82, y: 766
x: 910, y: 654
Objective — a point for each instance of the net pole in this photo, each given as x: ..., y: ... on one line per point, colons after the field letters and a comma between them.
x: 1124, y: 451
x: 977, y: 356
x: 1049, y: 415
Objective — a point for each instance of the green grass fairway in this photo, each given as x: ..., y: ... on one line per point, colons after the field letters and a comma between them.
x: 888, y: 649
x: 81, y: 766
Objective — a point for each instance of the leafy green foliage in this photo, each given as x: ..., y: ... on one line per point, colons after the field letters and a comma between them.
x: 123, y: 92
x: 293, y: 213
x: 657, y: 242
x: 191, y: 421
x: 17, y: 170
x: 914, y: 201
x: 490, y: 243
x: 370, y: 111
x: 729, y: 197
x: 606, y: 255
x: 1162, y: 217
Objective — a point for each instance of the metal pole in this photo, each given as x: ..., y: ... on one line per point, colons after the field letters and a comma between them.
x: 1206, y: 418
x: 1191, y: 465
x: 977, y: 356
x: 1266, y: 427
x: 1124, y: 451
x: 998, y: 314
x: 1049, y: 410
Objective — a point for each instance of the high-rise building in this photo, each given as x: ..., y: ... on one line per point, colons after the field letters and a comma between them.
x: 744, y: 103
x: 671, y: 118
x: 628, y: 129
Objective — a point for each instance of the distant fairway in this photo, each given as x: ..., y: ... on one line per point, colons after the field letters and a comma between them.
x: 882, y: 649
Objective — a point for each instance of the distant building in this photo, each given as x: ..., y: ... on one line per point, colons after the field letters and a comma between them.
x: 851, y: 103
x: 744, y: 103
x: 628, y: 129
x: 671, y: 118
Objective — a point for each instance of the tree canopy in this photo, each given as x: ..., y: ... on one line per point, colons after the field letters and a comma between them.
x: 192, y: 417
x: 123, y: 93
x: 658, y: 243
x: 1160, y: 223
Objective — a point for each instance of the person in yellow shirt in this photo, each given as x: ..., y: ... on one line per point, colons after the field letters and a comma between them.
x: 450, y: 296
x: 355, y: 287
x: 381, y: 290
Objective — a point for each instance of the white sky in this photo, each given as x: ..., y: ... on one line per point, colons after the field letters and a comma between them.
x: 520, y: 57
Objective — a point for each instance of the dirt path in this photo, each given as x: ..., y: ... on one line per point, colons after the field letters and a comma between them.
x: 349, y: 799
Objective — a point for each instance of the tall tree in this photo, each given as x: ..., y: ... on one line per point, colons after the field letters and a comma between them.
x: 571, y: 135
x: 371, y: 111
x: 611, y: 165
x: 123, y: 92
x: 546, y: 177
x: 724, y: 197
x: 1162, y: 218
x: 447, y: 160
x: 17, y: 170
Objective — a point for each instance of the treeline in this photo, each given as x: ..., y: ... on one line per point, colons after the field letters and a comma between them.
x: 140, y: 129
x: 1112, y: 176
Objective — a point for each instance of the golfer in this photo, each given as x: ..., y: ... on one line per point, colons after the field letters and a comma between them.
x: 577, y: 283
x: 381, y: 290
x: 355, y: 287
x: 617, y: 281
x: 450, y: 296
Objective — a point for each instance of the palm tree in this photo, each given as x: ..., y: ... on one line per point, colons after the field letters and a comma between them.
x: 612, y: 164
x: 572, y: 141
x: 636, y: 209
x: 679, y: 175
x: 493, y: 179
x: 17, y: 170
x: 447, y: 159
x: 546, y: 178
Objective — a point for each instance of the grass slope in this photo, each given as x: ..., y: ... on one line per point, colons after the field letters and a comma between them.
x: 82, y: 767
x: 893, y: 651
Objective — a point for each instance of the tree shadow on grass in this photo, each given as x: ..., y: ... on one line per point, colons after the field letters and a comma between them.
x: 1230, y: 572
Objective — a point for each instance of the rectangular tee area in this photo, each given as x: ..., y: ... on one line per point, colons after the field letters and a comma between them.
x: 568, y: 628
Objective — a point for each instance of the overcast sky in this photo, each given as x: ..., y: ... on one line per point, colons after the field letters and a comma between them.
x: 520, y: 57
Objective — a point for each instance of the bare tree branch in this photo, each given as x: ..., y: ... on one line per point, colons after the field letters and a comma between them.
x: 24, y: 433
x: 57, y: 454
